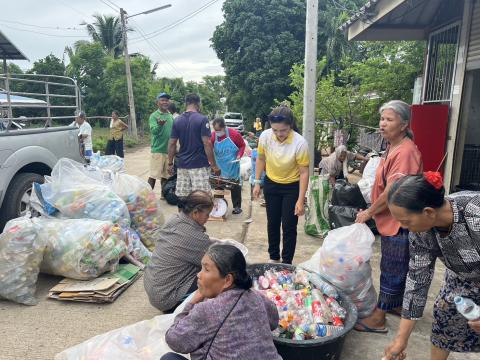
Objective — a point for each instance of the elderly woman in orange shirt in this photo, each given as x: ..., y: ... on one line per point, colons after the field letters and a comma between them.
x: 401, y: 158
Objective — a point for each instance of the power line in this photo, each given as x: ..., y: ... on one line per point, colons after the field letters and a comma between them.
x: 74, y: 9
x: 110, y: 6
x: 176, y: 23
x: 157, y: 50
x: 111, y: 2
x: 41, y: 27
x: 41, y: 33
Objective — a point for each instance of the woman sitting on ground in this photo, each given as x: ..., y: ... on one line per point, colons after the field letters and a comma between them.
x: 225, y: 318
x: 447, y: 228
x: 335, y: 166
x: 171, y: 274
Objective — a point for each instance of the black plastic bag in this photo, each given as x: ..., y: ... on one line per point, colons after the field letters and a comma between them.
x: 346, y: 194
x: 345, y: 215
x: 168, y: 190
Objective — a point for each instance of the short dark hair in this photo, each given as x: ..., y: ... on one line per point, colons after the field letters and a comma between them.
x: 283, y: 114
x: 229, y: 260
x: 116, y: 112
x: 172, y: 107
x: 415, y: 193
x: 196, y: 200
x: 219, y: 121
x: 192, y: 98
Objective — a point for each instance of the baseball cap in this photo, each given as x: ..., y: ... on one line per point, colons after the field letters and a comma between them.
x: 163, y: 95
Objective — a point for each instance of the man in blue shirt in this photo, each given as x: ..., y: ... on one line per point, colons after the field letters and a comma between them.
x: 195, y: 156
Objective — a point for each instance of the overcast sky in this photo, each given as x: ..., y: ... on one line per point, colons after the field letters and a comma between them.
x: 182, y: 51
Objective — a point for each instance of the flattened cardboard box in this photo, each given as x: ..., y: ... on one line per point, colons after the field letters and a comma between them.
x: 104, y: 289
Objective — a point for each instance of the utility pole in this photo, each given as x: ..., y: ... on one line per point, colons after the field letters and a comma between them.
x: 131, y: 101
x: 310, y: 78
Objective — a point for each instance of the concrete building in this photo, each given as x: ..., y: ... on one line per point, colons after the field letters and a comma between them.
x: 451, y: 73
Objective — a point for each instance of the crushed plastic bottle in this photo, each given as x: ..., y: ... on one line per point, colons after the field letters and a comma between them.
x: 467, y: 308
x: 322, y: 285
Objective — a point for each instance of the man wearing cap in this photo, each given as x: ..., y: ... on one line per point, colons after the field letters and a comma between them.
x: 160, y: 123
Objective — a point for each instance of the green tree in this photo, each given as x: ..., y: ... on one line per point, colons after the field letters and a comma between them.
x: 258, y: 43
x: 107, y: 30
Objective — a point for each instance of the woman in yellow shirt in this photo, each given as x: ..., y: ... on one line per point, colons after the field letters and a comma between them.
x: 258, y: 127
x: 283, y: 154
x: 115, y: 142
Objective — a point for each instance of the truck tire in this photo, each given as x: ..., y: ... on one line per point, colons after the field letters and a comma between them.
x: 15, y: 201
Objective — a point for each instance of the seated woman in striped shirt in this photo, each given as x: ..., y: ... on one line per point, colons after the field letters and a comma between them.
x: 225, y: 318
x: 182, y: 242
x: 447, y: 228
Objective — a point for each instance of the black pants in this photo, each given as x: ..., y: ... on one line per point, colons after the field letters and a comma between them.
x: 281, y: 200
x: 114, y: 147
x: 173, y: 356
x: 236, y: 192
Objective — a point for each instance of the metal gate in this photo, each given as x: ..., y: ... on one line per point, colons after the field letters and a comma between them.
x: 441, y: 64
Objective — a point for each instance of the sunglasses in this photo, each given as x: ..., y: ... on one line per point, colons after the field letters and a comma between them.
x: 276, y: 118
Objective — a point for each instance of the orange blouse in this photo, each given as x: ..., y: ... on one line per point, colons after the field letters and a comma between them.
x: 400, y: 161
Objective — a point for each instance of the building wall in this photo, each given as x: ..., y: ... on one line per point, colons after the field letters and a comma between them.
x: 473, y: 121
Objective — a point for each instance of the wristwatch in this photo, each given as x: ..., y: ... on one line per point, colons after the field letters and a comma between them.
x: 257, y: 182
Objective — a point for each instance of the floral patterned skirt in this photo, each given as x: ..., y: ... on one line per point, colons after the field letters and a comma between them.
x: 450, y: 330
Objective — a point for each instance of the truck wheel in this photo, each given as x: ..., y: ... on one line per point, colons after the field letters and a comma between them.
x: 17, y: 198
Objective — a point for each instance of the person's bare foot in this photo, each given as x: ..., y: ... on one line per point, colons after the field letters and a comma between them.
x: 375, y: 321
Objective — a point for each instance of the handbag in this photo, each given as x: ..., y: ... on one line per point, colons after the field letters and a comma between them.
x: 226, y: 317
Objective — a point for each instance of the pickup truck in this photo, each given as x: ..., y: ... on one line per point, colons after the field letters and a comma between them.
x: 26, y: 156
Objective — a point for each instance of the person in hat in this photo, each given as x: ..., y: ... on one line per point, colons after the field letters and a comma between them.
x: 160, y: 123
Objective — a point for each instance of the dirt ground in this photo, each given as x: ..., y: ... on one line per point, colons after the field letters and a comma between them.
x: 39, y: 332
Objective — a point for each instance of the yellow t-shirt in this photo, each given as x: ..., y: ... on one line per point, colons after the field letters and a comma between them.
x: 258, y: 126
x: 283, y: 159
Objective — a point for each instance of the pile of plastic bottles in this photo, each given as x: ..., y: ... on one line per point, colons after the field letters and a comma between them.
x: 86, y: 201
x: 142, y: 204
x: 307, y: 305
x: 80, y: 248
x: 108, y: 162
x: 21, y: 253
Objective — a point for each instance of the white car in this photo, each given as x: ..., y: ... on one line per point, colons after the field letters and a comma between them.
x: 234, y: 120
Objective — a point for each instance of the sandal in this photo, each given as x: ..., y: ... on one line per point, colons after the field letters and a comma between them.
x: 367, y: 329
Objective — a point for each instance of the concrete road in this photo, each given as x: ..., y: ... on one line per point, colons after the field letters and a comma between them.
x: 39, y: 332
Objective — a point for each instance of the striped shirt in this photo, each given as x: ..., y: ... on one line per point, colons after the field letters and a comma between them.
x: 245, y: 334
x: 174, y: 265
x: 283, y: 159
x: 459, y: 251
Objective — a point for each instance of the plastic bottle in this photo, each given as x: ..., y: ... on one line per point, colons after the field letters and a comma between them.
x: 467, y: 308
x: 322, y: 285
x: 337, y: 310
x: 327, y: 330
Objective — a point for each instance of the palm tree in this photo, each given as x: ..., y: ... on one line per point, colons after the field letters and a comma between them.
x: 107, y: 30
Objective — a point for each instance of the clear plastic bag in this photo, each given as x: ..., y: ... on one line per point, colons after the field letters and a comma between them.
x: 108, y: 162
x: 80, y: 249
x: 144, y: 340
x: 136, y: 248
x: 143, y: 206
x: 21, y: 252
x: 343, y: 260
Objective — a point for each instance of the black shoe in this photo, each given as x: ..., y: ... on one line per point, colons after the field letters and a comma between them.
x: 236, y: 211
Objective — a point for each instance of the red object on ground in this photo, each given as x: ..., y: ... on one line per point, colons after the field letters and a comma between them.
x: 430, y: 125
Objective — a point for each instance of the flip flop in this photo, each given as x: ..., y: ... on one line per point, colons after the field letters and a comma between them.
x: 369, y: 329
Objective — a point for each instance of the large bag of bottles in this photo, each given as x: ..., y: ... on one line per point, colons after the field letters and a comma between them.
x: 80, y: 249
x: 21, y: 252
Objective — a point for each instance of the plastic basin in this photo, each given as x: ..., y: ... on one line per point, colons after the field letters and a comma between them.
x: 327, y: 348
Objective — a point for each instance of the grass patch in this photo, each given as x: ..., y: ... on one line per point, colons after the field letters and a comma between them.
x: 100, y: 136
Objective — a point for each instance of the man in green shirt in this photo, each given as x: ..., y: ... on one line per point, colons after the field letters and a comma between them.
x: 160, y: 123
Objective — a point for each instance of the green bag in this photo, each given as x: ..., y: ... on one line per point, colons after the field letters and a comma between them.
x: 316, y: 211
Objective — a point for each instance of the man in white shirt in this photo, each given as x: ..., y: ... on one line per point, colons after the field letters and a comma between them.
x: 85, y: 134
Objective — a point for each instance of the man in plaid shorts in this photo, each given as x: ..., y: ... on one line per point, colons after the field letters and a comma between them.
x: 195, y: 157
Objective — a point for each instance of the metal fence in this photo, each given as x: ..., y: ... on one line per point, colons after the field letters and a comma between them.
x: 47, y: 88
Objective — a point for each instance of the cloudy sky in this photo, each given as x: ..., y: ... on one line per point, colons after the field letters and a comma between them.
x: 177, y: 37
